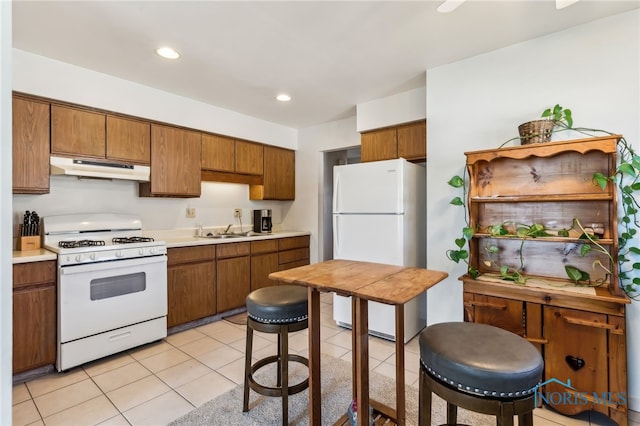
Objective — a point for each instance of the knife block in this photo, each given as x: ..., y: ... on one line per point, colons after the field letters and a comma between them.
x: 31, y: 242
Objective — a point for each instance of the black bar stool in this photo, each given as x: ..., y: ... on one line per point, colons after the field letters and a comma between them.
x: 277, y: 309
x: 481, y: 368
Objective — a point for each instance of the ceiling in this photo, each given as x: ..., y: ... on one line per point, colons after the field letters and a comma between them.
x: 329, y: 56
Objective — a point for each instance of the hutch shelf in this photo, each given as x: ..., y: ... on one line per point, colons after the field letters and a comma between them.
x: 580, y: 331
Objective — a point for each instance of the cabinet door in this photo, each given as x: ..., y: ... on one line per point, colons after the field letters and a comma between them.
x: 379, y: 145
x: 128, y: 140
x: 175, y: 163
x: 504, y: 313
x: 76, y: 132
x: 218, y: 153
x: 191, y: 292
x: 261, y: 266
x: 30, y: 147
x: 412, y: 141
x: 249, y: 158
x: 279, y: 181
x: 34, y: 328
x: 576, y: 351
x: 233, y: 282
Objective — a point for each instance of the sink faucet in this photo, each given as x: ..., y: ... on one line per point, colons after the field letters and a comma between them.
x: 227, y: 230
x: 199, y: 230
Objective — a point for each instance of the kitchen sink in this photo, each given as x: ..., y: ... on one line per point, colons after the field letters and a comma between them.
x: 220, y: 236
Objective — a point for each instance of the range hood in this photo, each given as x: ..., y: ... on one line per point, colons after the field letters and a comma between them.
x: 99, y: 169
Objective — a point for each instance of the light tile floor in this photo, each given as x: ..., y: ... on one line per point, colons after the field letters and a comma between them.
x: 159, y: 382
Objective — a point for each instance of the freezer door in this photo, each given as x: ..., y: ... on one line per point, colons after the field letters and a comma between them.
x: 370, y: 238
x: 374, y: 187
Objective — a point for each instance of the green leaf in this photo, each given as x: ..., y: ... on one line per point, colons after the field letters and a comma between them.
x: 586, y: 248
x: 568, y: 117
x: 576, y: 274
x: 563, y: 233
x: 600, y: 180
x: 636, y: 265
x: 493, y: 249
x: 460, y: 242
x: 456, y: 182
x: 454, y: 255
x: 457, y: 201
x: 628, y: 169
x: 546, y: 112
x: 522, y: 231
x: 468, y: 232
x: 634, y: 250
x: 473, y: 272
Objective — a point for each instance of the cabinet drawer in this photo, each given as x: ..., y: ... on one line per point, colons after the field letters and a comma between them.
x: 233, y: 250
x: 190, y: 254
x: 293, y: 242
x: 27, y: 274
x: 293, y: 255
x: 290, y: 265
x: 266, y: 246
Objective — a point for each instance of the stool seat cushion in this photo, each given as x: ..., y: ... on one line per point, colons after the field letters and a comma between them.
x: 481, y: 359
x: 278, y: 304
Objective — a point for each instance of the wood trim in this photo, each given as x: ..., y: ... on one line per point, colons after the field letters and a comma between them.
x: 211, y: 176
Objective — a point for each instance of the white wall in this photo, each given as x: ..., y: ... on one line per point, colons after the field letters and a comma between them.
x: 57, y: 80
x: 401, y: 108
x: 478, y: 103
x: 6, y: 286
x: 307, y: 211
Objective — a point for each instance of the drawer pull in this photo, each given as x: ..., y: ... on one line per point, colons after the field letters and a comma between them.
x: 577, y: 321
x: 487, y: 305
x: 537, y: 340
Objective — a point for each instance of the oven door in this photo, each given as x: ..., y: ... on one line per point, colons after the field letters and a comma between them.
x: 99, y: 297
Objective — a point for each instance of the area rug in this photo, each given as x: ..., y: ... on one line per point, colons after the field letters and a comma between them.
x: 336, y: 395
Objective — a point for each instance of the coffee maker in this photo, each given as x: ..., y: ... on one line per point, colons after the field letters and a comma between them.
x: 262, y: 221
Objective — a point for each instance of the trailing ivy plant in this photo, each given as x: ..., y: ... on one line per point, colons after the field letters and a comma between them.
x: 627, y: 178
x: 461, y: 252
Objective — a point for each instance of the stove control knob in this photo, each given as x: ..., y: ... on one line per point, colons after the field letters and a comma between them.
x: 93, y: 256
x: 119, y: 253
x: 141, y: 252
x: 78, y: 257
x: 152, y: 250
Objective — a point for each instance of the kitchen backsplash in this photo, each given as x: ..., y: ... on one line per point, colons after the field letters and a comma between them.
x: 214, y: 208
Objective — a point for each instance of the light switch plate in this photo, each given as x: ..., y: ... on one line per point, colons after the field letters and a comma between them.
x: 191, y: 212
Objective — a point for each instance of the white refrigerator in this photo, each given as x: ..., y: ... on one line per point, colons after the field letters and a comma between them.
x: 379, y: 212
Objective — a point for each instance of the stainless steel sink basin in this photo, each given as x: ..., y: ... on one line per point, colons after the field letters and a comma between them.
x: 227, y: 235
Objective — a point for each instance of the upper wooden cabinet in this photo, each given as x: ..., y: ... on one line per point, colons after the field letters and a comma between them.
x: 128, y: 140
x: 230, y: 160
x: 30, y: 146
x: 84, y: 133
x: 218, y: 153
x: 249, y: 158
x: 175, y: 163
x: 407, y: 141
x: 279, y: 181
x: 77, y: 132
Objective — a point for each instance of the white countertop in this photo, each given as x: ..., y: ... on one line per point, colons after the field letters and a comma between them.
x: 33, y: 255
x: 186, y: 241
x: 171, y: 238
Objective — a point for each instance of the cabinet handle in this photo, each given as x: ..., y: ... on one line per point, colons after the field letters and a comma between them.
x: 487, y: 305
x: 577, y: 321
x: 537, y: 340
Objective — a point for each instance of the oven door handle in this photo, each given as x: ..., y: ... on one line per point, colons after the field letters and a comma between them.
x: 111, y: 265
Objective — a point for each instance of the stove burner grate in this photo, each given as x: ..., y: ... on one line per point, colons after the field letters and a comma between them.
x: 130, y: 240
x: 80, y: 243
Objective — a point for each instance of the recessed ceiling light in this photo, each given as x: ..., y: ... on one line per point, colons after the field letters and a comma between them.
x: 283, y: 97
x: 168, y: 52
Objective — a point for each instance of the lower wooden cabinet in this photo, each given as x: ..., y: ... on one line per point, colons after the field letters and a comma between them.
x: 191, y: 284
x: 264, y: 260
x: 586, y: 348
x: 293, y: 252
x: 34, y: 315
x: 233, y: 275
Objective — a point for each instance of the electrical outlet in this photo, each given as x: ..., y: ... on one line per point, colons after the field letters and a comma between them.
x: 237, y: 213
x: 191, y: 212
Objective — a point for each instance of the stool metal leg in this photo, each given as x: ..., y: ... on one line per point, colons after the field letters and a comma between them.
x: 279, y: 356
x: 452, y: 414
x: 525, y: 419
x: 247, y: 367
x: 284, y: 372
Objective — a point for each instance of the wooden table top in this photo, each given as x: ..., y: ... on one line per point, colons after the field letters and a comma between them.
x: 389, y: 284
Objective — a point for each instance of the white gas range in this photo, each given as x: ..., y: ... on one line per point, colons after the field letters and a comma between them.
x: 112, y: 285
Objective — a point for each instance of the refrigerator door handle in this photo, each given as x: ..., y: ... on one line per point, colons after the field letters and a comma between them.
x: 336, y: 191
